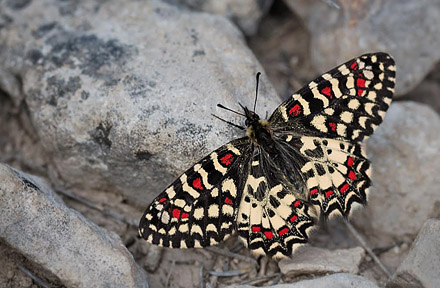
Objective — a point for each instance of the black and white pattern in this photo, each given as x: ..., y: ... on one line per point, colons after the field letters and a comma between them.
x: 271, y: 185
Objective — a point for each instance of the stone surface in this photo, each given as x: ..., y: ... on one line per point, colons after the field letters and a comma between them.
x: 36, y: 223
x: 428, y: 92
x: 404, y: 153
x: 368, y: 26
x: 285, y: 58
x: 313, y: 260
x: 121, y: 96
x: 422, y: 265
x: 340, y: 280
x: 245, y: 13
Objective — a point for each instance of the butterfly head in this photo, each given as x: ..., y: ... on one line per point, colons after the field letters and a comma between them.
x: 252, y: 118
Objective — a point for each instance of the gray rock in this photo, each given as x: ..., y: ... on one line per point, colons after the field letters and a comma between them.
x: 340, y: 280
x: 36, y: 223
x: 422, y: 265
x: 121, y: 95
x: 368, y: 26
x: 313, y: 260
x: 428, y: 92
x: 404, y: 152
x: 245, y: 13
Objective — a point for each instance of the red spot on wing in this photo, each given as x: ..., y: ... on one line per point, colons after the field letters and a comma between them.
x: 197, y: 183
x: 256, y: 228
x: 283, y: 231
x: 350, y: 161
x: 327, y: 91
x: 328, y: 193
x: 268, y: 234
x: 295, y: 110
x: 332, y: 126
x: 185, y: 215
x: 360, y: 83
x: 293, y: 218
x: 176, y: 213
x: 228, y: 201
x: 344, y: 188
x: 227, y: 159
x: 354, y: 65
x: 296, y: 204
x: 313, y: 191
x: 351, y: 175
x: 162, y: 200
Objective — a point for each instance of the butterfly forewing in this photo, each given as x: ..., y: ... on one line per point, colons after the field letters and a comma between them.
x: 198, y: 209
x: 348, y: 102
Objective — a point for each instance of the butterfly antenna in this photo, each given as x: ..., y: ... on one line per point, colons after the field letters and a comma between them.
x: 230, y: 123
x: 256, y: 90
x: 229, y: 109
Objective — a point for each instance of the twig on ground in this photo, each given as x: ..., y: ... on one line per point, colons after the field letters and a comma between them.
x: 90, y: 204
x: 31, y: 166
x: 229, y: 273
x: 230, y: 254
x: 332, y: 4
x: 260, y: 279
x: 370, y: 252
x: 33, y: 277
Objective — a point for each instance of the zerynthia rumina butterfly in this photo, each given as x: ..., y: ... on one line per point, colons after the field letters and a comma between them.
x: 306, y: 157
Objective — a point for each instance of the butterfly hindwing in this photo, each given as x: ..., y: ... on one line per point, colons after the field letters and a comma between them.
x: 348, y: 102
x: 198, y: 209
x: 271, y: 219
x: 337, y: 174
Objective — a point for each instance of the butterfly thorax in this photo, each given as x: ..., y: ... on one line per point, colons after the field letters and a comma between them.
x: 258, y: 130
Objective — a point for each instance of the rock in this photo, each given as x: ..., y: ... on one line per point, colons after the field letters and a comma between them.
x: 285, y: 59
x: 36, y: 223
x: 313, y: 260
x: 369, y: 26
x: 121, y: 95
x: 404, y: 153
x: 246, y: 14
x: 422, y: 265
x: 340, y: 280
x: 428, y: 92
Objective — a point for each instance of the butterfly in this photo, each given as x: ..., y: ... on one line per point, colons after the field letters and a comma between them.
x: 270, y: 186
